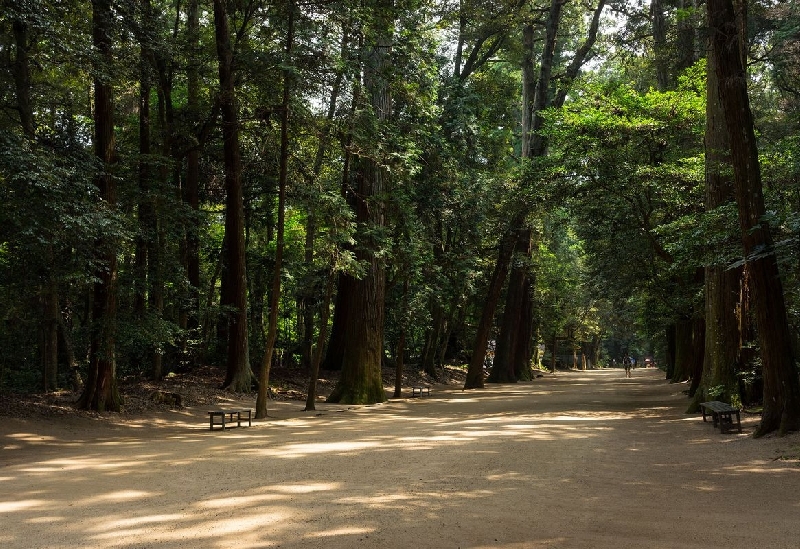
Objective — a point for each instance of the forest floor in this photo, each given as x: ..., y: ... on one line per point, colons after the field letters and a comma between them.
x: 570, y: 460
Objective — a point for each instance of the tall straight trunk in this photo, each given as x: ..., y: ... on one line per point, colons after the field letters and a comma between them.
x: 697, y: 353
x: 100, y: 392
x: 433, y: 338
x: 400, y: 351
x: 687, y: 29
x: 316, y: 359
x: 21, y: 71
x: 683, y: 351
x: 660, y: 44
x: 671, y: 337
x: 722, y: 342
x: 275, y: 297
x: 781, y: 384
x: 191, y: 189
x: 361, y: 381
x: 239, y: 376
x: 50, y: 318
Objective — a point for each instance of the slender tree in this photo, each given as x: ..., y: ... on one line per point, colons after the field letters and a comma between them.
x: 275, y: 294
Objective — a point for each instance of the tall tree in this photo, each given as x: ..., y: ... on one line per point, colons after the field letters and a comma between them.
x: 723, y: 341
x: 781, y: 383
x: 361, y: 381
x: 238, y: 376
x: 275, y: 294
x: 101, y: 392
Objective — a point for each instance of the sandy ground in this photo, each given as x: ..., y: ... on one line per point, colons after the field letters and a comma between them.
x: 573, y: 460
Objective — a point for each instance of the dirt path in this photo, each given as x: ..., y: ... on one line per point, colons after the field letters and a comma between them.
x: 576, y: 460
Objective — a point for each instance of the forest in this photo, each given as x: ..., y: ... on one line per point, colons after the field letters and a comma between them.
x: 358, y: 185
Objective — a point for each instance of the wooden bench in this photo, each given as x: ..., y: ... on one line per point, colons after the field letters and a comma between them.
x: 420, y: 390
x: 227, y: 417
x: 721, y: 414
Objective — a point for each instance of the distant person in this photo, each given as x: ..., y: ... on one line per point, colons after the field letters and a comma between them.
x: 628, y: 364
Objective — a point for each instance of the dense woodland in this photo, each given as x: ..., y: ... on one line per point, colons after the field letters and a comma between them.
x: 356, y: 185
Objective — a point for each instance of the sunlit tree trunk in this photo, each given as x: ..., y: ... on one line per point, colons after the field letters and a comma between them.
x: 722, y: 341
x: 781, y: 384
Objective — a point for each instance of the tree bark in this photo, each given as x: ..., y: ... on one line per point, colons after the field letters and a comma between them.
x: 361, y: 380
x: 239, y: 376
x: 474, y: 378
x: 316, y: 358
x: 100, y: 392
x: 275, y: 297
x: 191, y: 190
x: 723, y: 340
x: 781, y: 384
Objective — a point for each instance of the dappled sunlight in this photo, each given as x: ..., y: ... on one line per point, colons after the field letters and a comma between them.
x: 513, y: 460
x: 21, y: 505
x: 295, y: 451
x: 123, y: 495
x: 78, y: 464
x: 141, y: 521
x: 336, y: 532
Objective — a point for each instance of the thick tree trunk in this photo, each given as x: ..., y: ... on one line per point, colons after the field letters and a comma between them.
x: 723, y: 340
x: 670, y: 335
x: 697, y: 354
x: 361, y: 381
x: 21, y: 71
x: 100, y: 392
x: 660, y: 44
x: 239, y: 376
x: 683, y: 351
x: 514, y: 327
x: 781, y: 384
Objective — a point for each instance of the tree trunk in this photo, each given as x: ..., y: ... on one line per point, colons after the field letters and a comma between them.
x: 399, y: 355
x: 697, y: 353
x: 100, y: 392
x: 671, y: 336
x: 275, y: 297
x: 474, y: 378
x: 514, y: 324
x: 324, y: 312
x: 660, y: 50
x: 781, y: 384
x: 21, y: 71
x: 361, y: 381
x: 683, y: 351
x: 723, y: 341
x: 239, y: 376
x: 50, y: 316
x: 191, y: 189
